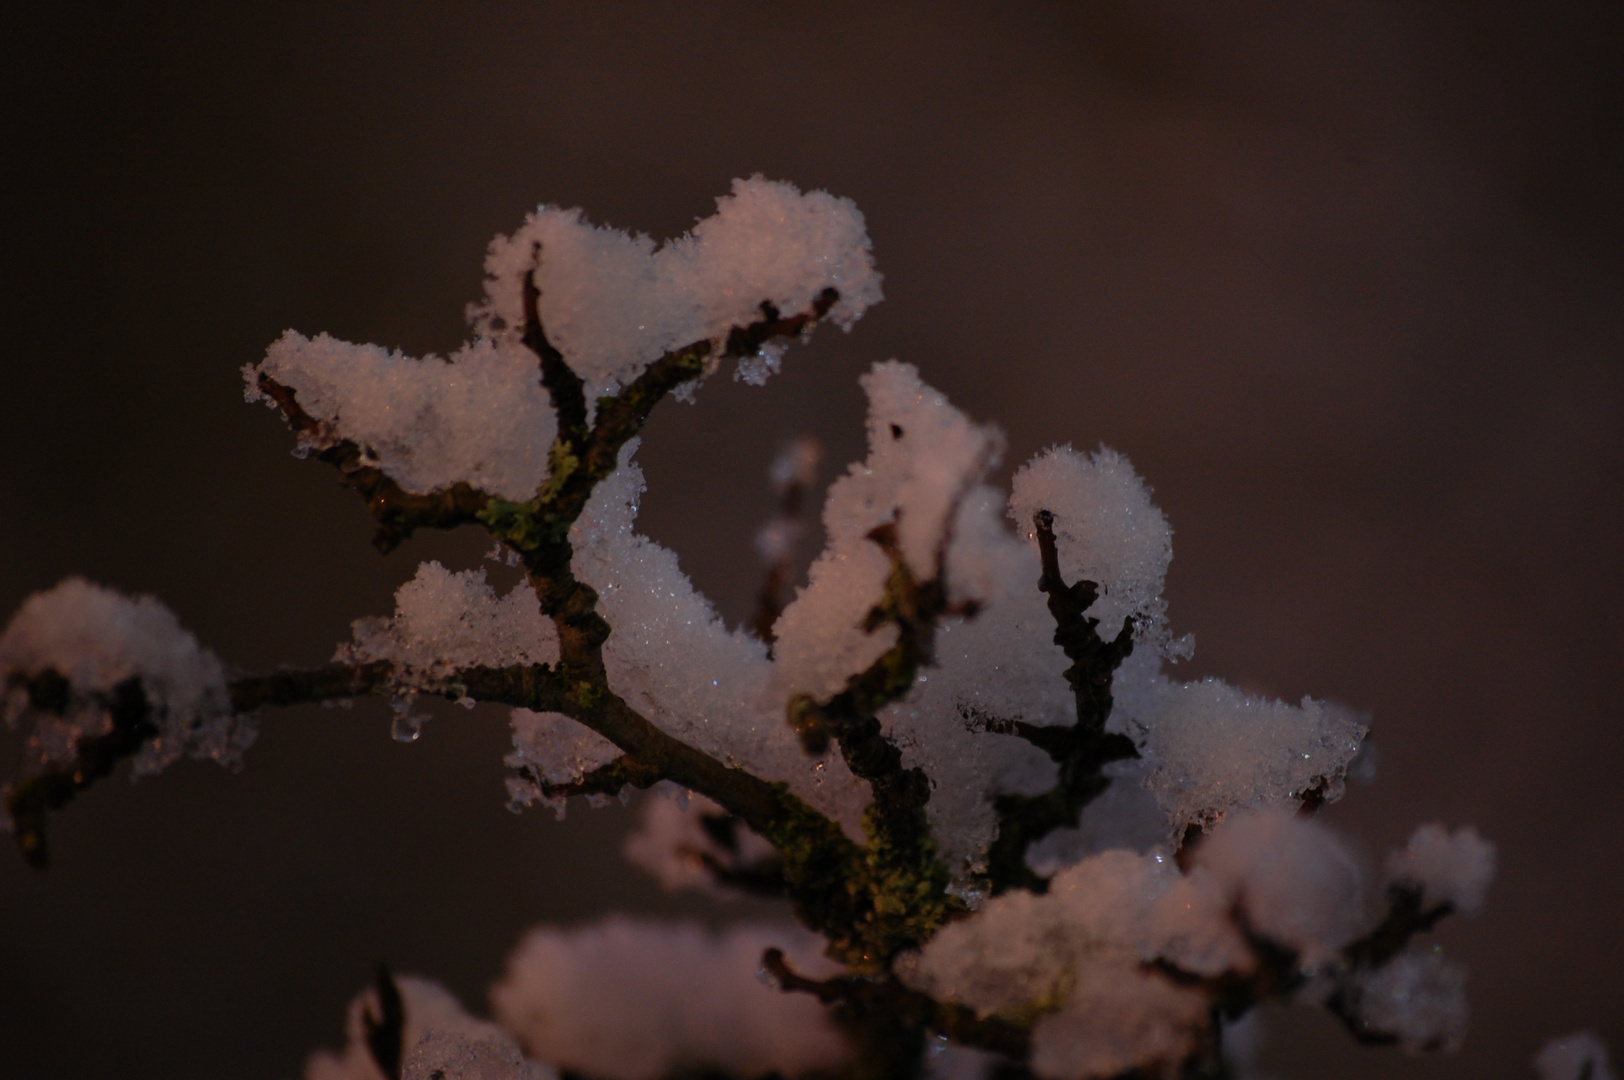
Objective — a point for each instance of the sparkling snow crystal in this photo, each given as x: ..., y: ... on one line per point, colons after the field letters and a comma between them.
x: 96, y: 639
x: 444, y: 621
x: 613, y: 303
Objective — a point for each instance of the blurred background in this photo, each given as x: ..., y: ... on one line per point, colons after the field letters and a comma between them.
x: 1344, y: 280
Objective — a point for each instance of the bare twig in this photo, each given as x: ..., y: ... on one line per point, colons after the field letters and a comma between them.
x: 888, y: 995
x: 31, y: 797
x: 1081, y: 750
x: 792, y: 474
x: 132, y: 725
x: 386, y: 1031
x: 606, y: 779
x: 398, y: 512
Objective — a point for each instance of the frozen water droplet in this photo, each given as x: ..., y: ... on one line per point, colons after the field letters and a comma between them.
x: 406, y: 729
x: 766, y: 978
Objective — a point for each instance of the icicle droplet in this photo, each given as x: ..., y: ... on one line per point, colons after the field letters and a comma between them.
x: 406, y: 729
x: 766, y: 978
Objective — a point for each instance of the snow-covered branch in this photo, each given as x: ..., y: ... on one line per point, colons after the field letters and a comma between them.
x: 945, y: 759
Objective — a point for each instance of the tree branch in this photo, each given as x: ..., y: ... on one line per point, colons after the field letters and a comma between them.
x: 293, y: 687
x: 398, y: 513
x: 31, y: 797
x: 604, y: 780
x: 386, y: 1032
x: 792, y: 474
x: 1081, y: 750
x: 891, y: 998
x: 1406, y: 917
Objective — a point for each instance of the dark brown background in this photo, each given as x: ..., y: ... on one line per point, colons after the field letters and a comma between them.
x: 1343, y: 280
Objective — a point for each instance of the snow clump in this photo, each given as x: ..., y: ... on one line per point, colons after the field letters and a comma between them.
x: 1449, y: 867
x: 1117, y: 1018
x: 445, y: 621
x: 96, y: 639
x: 551, y: 748
x: 675, y: 662
x: 1290, y: 881
x: 1211, y: 749
x: 1580, y: 1056
x: 924, y: 458
x: 612, y: 303
x: 1294, y: 879
x: 680, y: 836
x: 1106, y: 531
x: 479, y: 417
x: 627, y: 1000
x: 436, y: 1022
x: 1419, y: 997
x: 448, y: 1055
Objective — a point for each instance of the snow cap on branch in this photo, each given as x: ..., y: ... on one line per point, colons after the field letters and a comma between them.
x: 1022, y: 949
x: 924, y: 458
x: 1292, y: 878
x: 1117, y: 1018
x: 1211, y: 748
x: 1106, y: 531
x: 613, y: 303
x: 1579, y: 1056
x: 480, y: 417
x: 1418, y: 998
x: 97, y: 638
x: 672, y: 658
x: 444, y: 621
x: 437, y: 1027
x: 551, y: 748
